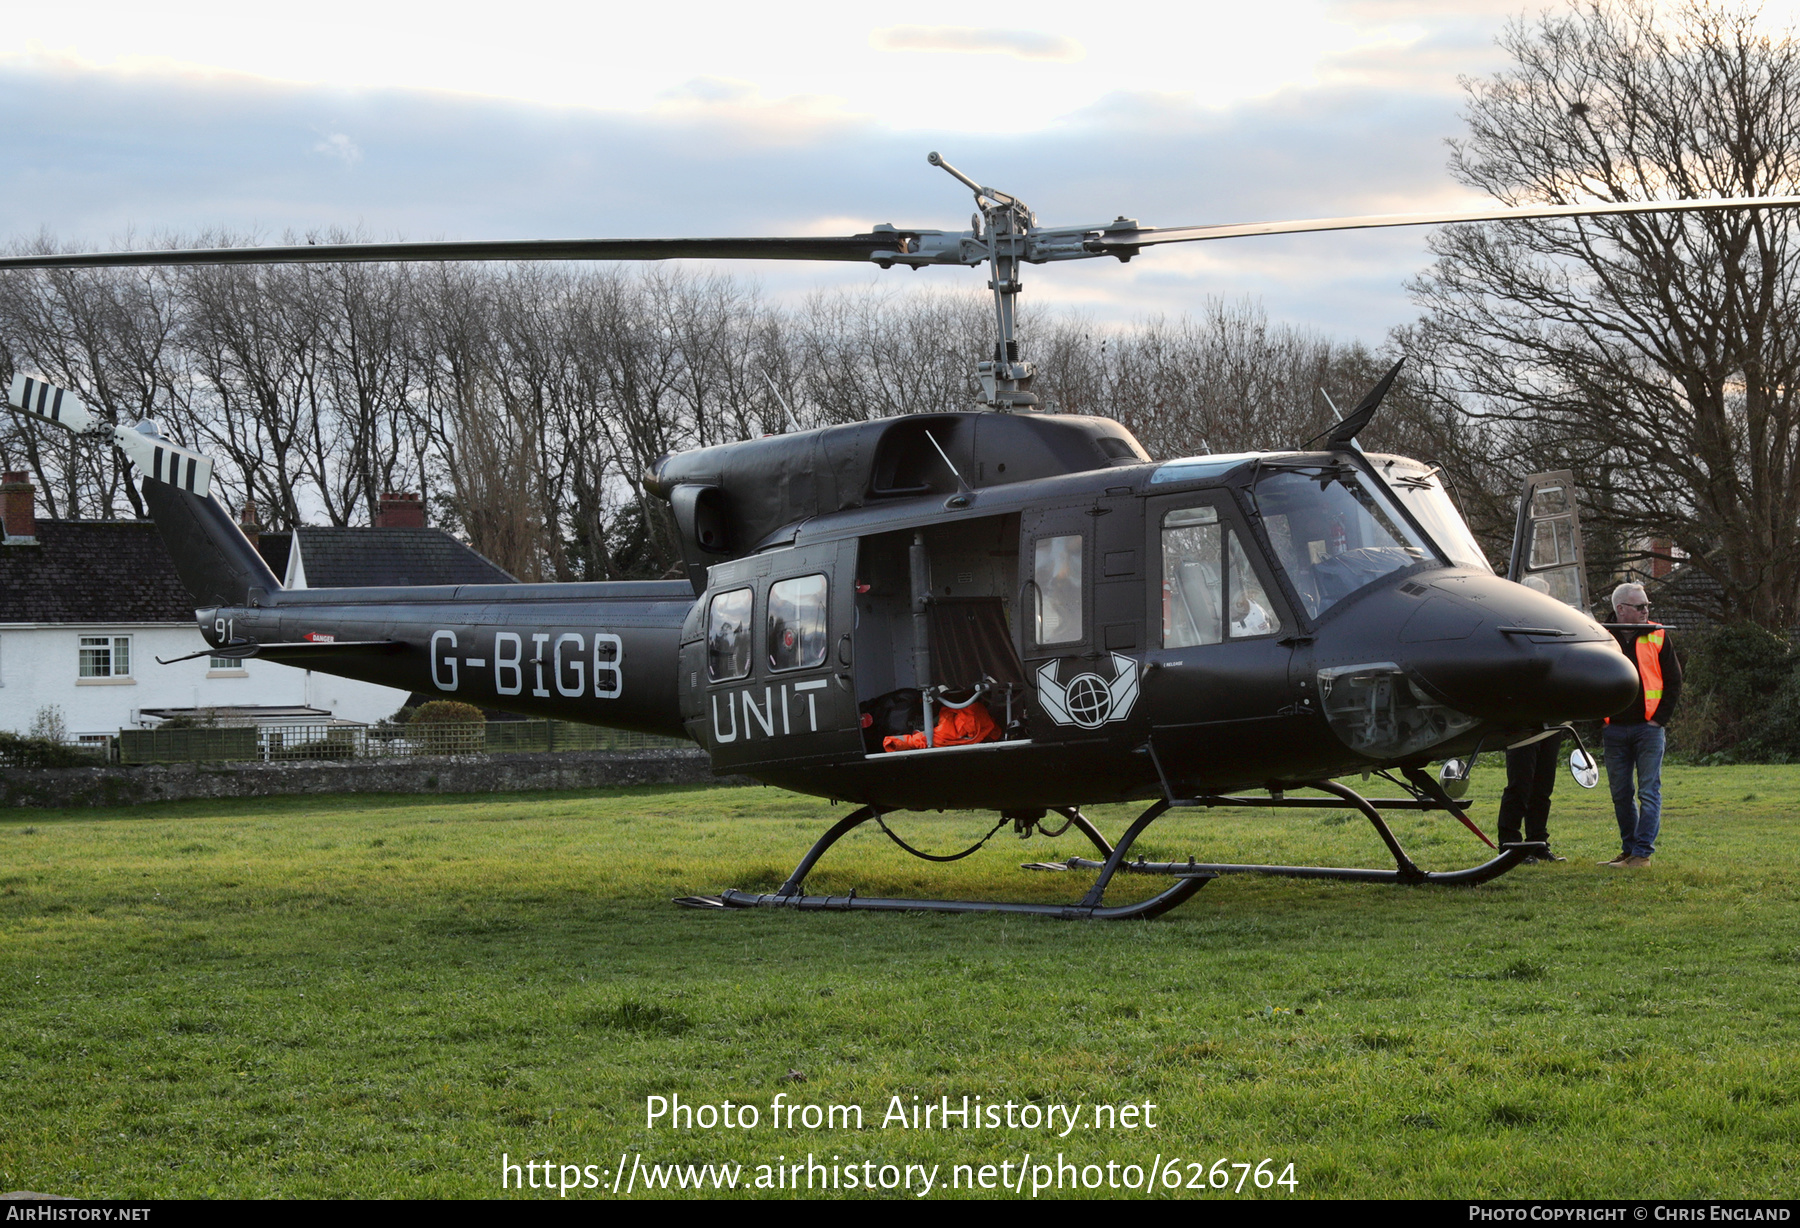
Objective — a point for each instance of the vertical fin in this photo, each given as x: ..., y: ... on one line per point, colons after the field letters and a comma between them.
x: 214, y: 559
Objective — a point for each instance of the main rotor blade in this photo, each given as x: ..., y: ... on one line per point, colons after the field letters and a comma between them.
x: 1123, y: 242
x: 883, y: 246
x: 876, y: 246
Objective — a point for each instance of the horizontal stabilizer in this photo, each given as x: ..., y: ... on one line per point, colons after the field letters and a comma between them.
x: 155, y: 457
x: 311, y: 648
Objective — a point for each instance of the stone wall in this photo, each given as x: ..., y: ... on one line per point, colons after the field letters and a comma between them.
x: 120, y: 786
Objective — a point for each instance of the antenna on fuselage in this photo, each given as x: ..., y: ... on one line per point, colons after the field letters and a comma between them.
x: 1344, y: 434
x: 1337, y: 413
x: 960, y: 484
x: 793, y: 422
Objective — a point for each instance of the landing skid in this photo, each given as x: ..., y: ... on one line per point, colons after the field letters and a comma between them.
x: 1189, y: 876
x: 1090, y: 909
x: 1404, y: 871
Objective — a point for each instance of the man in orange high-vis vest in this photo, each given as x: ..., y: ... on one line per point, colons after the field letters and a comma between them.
x: 1635, y: 737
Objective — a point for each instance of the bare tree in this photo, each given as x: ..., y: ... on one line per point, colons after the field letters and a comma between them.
x: 1657, y: 355
x: 369, y: 374
x: 110, y: 336
x: 482, y: 450
x: 527, y: 401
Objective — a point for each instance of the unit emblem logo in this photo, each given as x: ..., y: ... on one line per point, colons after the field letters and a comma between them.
x: 1088, y: 700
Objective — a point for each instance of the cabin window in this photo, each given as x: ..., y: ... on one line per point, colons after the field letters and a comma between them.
x: 105, y: 656
x: 797, y: 617
x: 728, y: 648
x: 1057, y: 571
x: 1210, y: 590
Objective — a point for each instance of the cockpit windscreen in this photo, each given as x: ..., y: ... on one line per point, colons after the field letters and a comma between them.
x: 1334, y: 532
x: 1421, y: 489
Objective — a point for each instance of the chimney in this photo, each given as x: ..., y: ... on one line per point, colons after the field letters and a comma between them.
x: 17, y: 508
x: 400, y: 511
x: 247, y: 522
x: 1661, y: 565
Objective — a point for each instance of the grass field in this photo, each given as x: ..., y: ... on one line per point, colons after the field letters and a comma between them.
x: 380, y: 996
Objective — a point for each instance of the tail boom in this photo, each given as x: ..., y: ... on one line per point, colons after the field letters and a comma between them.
x: 601, y: 654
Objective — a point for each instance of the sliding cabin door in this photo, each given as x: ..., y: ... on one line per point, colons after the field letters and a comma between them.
x: 767, y: 669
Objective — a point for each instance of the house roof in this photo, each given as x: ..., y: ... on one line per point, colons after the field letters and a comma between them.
x: 384, y: 557
x: 274, y: 548
x: 92, y: 571
x: 1687, y: 599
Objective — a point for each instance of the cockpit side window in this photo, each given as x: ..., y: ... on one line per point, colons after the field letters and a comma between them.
x: 1191, y: 596
x: 728, y: 635
x: 1252, y: 613
x: 1209, y: 588
x: 1333, y: 532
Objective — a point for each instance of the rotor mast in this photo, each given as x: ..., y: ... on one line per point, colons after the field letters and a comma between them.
x: 1004, y: 227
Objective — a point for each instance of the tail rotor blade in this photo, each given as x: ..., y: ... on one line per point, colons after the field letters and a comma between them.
x: 45, y: 400
x: 166, y: 462
x: 154, y: 456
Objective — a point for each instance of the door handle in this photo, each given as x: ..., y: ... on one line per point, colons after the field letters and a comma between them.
x: 843, y: 650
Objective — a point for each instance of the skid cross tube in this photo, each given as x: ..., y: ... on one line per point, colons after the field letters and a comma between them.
x: 790, y: 895
x: 1510, y: 855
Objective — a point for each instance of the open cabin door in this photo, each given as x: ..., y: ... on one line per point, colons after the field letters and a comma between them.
x: 1547, y: 552
x: 766, y: 660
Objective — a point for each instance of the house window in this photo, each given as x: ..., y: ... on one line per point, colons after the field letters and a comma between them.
x: 224, y: 663
x: 106, y: 656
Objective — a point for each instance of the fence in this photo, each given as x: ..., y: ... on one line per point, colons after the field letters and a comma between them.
x: 291, y: 742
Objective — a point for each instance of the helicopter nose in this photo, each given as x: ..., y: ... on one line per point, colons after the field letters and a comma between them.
x: 1524, y: 658
x: 1514, y: 680
x: 1586, y: 681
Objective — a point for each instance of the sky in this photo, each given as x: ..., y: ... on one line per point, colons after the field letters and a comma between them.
x: 544, y: 119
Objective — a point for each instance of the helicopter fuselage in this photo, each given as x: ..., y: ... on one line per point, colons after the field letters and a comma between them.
x: 1132, y: 629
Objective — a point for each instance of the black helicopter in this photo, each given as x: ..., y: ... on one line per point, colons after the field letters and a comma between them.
x: 998, y: 609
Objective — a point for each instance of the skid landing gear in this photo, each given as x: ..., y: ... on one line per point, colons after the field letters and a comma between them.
x: 1427, y: 795
x: 789, y: 895
x: 1189, y: 876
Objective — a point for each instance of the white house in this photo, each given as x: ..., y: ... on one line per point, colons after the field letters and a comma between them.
x: 87, y: 607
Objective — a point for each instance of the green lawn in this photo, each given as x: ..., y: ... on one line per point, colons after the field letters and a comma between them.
x: 371, y: 995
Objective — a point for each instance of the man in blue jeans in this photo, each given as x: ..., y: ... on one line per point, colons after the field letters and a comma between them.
x: 1635, y: 737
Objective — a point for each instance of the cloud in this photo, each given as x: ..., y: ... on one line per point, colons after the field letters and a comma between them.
x: 710, y: 91
x: 969, y: 40
x: 92, y: 154
x: 339, y: 146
